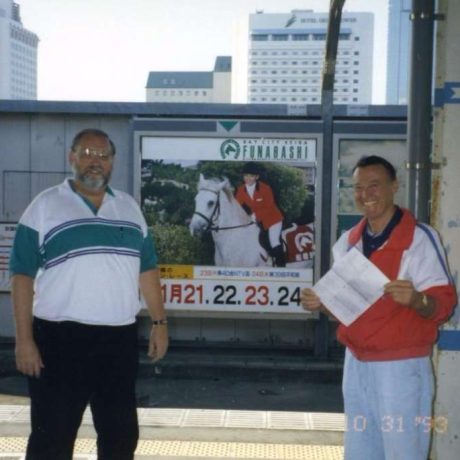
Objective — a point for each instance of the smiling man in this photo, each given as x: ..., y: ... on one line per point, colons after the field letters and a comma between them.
x: 388, y: 379
x: 81, y: 254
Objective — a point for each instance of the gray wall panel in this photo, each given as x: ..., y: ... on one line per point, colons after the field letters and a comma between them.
x: 6, y: 316
x: 47, y: 144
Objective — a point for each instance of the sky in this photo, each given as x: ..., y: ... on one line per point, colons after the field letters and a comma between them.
x: 103, y: 50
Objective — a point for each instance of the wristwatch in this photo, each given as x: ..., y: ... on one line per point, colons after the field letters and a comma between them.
x: 160, y: 322
x: 424, y: 300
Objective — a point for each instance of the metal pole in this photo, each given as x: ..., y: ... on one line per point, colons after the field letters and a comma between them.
x: 419, y: 109
x: 327, y: 112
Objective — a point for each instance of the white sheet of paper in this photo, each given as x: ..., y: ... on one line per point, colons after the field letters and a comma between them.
x: 351, y: 286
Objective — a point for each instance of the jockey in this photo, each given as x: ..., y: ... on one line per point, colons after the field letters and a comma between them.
x: 256, y: 198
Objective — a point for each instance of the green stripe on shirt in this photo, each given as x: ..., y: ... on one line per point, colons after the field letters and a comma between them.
x: 25, y: 256
x: 92, y: 235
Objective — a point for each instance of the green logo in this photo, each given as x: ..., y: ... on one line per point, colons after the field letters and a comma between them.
x: 230, y: 148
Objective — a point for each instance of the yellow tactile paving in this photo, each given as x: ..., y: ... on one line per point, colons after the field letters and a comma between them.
x: 234, y: 435
x: 13, y: 448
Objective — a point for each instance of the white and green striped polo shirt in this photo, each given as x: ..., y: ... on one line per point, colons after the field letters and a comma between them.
x: 86, y: 263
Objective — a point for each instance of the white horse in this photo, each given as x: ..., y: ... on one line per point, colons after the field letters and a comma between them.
x: 236, y: 236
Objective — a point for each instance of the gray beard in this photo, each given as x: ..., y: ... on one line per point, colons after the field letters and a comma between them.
x: 91, y: 183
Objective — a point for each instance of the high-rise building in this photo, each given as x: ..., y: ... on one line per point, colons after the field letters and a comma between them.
x: 18, y: 55
x: 286, y: 51
x: 214, y: 86
x: 399, y: 44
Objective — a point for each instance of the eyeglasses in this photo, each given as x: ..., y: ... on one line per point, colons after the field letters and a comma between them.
x: 87, y: 153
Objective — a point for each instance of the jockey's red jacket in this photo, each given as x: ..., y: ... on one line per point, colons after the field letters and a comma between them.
x: 262, y: 204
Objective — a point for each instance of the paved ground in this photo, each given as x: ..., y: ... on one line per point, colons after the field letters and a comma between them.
x: 221, y: 379
x: 211, y: 405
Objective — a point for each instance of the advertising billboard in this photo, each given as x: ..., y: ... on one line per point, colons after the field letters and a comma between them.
x: 7, y: 232
x: 233, y: 220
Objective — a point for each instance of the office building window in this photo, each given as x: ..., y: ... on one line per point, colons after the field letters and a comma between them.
x: 280, y: 37
x: 300, y: 37
x: 319, y: 36
x: 259, y: 37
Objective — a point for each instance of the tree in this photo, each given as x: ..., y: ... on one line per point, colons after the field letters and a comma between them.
x: 175, y: 245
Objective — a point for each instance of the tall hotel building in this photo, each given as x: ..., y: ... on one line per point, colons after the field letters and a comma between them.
x: 18, y: 55
x: 399, y: 44
x: 285, y: 58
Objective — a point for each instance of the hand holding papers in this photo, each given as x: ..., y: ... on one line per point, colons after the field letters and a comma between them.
x: 350, y: 287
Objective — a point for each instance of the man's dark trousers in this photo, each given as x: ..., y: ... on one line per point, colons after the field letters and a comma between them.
x: 84, y: 364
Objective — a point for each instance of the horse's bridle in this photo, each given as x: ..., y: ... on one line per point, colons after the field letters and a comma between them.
x: 215, y: 215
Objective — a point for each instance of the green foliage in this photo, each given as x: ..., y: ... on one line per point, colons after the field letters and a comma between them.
x: 168, y: 193
x: 175, y: 245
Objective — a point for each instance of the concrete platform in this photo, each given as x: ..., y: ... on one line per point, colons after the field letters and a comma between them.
x: 202, y: 434
x: 211, y: 404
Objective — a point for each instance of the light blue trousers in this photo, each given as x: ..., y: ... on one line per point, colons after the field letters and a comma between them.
x: 388, y: 407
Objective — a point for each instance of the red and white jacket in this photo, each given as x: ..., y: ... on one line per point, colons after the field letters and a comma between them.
x: 388, y: 330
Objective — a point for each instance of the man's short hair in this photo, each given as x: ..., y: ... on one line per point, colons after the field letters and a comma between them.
x: 92, y: 132
x: 373, y: 160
